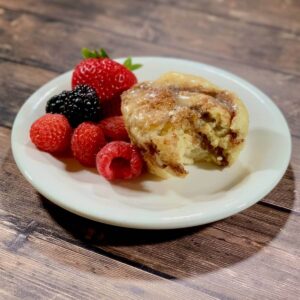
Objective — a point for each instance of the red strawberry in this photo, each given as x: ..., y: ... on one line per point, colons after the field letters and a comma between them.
x: 87, y: 140
x: 114, y: 128
x: 106, y: 76
x: 51, y: 133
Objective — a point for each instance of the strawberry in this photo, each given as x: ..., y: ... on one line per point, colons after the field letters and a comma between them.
x: 106, y: 76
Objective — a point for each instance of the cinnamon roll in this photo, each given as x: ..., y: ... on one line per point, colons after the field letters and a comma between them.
x: 181, y: 119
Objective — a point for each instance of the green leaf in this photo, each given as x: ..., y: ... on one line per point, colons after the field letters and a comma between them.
x: 87, y: 53
x: 128, y: 64
x: 135, y: 67
x: 103, y: 53
x: 95, y: 54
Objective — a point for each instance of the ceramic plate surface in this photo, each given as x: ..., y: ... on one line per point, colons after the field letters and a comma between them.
x: 205, y: 195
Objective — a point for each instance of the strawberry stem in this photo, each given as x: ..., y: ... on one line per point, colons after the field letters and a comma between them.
x: 130, y: 66
x: 101, y: 53
x: 87, y: 53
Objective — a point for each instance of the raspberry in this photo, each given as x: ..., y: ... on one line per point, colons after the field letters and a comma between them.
x: 114, y: 129
x: 87, y: 140
x: 51, y: 133
x: 119, y: 160
x: 112, y: 107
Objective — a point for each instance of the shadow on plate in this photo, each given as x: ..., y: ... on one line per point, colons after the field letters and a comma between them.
x: 73, y: 166
x: 189, y: 251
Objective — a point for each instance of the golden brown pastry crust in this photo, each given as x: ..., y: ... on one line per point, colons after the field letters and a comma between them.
x: 181, y: 119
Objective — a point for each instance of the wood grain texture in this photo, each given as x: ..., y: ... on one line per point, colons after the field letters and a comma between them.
x: 39, y: 269
x: 278, y: 14
x: 188, y: 30
x: 49, y: 253
x: 17, y: 83
x: 252, y: 254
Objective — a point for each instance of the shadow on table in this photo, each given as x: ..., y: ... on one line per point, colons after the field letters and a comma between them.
x: 98, y: 233
x: 215, y: 244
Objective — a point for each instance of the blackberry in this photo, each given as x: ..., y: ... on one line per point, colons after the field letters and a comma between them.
x: 79, y: 105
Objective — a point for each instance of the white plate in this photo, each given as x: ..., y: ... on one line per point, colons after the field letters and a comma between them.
x: 206, y: 195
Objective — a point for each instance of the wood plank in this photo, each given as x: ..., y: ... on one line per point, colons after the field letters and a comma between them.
x: 274, y: 13
x: 47, y: 252
x: 192, y: 31
x: 283, y: 15
x: 23, y: 81
x: 254, y: 253
x: 38, y: 269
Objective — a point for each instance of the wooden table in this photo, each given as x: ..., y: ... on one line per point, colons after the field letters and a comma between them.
x: 49, y: 253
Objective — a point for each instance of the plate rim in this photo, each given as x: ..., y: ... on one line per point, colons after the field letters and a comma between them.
x: 171, y: 223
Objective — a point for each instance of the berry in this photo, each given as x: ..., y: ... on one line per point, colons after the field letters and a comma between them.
x: 112, y: 107
x: 87, y: 140
x: 106, y: 76
x: 119, y: 160
x: 79, y: 105
x: 51, y: 133
x: 114, y: 129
